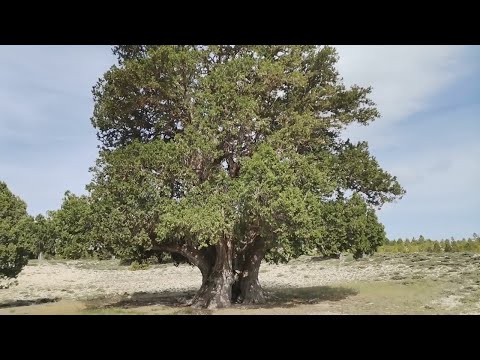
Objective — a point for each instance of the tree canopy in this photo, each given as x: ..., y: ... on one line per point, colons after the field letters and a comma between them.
x: 14, y: 221
x: 228, y: 155
x: 71, y: 227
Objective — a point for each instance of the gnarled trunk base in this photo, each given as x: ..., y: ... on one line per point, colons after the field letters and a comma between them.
x: 215, y: 292
x: 248, y: 291
x: 221, y: 289
x: 221, y: 284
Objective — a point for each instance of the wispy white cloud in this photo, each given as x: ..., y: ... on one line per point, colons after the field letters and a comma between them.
x: 427, y: 136
x: 404, y: 78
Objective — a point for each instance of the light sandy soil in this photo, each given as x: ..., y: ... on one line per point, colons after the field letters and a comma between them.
x: 74, y: 280
x: 417, y: 283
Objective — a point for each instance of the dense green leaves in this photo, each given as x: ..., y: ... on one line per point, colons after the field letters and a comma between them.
x: 38, y: 239
x: 14, y: 222
x: 71, y: 227
x: 352, y: 226
x: 67, y: 233
x: 357, y: 170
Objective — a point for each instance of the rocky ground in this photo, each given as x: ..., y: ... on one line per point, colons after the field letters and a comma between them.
x: 432, y: 283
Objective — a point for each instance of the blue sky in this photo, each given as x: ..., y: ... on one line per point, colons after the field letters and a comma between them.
x: 428, y: 136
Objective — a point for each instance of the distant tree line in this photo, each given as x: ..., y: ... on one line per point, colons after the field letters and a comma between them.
x: 471, y: 244
x: 75, y: 232
x: 78, y: 230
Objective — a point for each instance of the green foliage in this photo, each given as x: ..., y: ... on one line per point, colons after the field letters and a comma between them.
x: 14, y: 223
x: 351, y: 226
x: 436, y: 248
x: 69, y: 231
x: 447, y: 247
x: 39, y: 237
x: 207, y: 143
x: 455, y: 247
x: 138, y: 266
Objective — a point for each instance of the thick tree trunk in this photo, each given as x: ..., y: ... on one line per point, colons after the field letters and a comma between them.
x: 249, y: 289
x: 247, y: 286
x: 215, y: 292
x: 216, y: 289
x: 220, y: 285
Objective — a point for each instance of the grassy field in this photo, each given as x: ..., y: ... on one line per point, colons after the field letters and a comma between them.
x: 422, y: 283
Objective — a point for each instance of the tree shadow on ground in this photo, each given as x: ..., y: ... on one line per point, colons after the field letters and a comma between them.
x: 290, y: 297
x: 164, y: 298
x: 277, y: 297
x: 16, y: 303
x: 323, y: 258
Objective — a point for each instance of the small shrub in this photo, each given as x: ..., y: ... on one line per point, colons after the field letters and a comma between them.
x: 137, y: 266
x: 152, y: 260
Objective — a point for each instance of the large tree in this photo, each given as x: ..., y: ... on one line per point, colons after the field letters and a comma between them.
x: 14, y: 222
x: 228, y: 155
